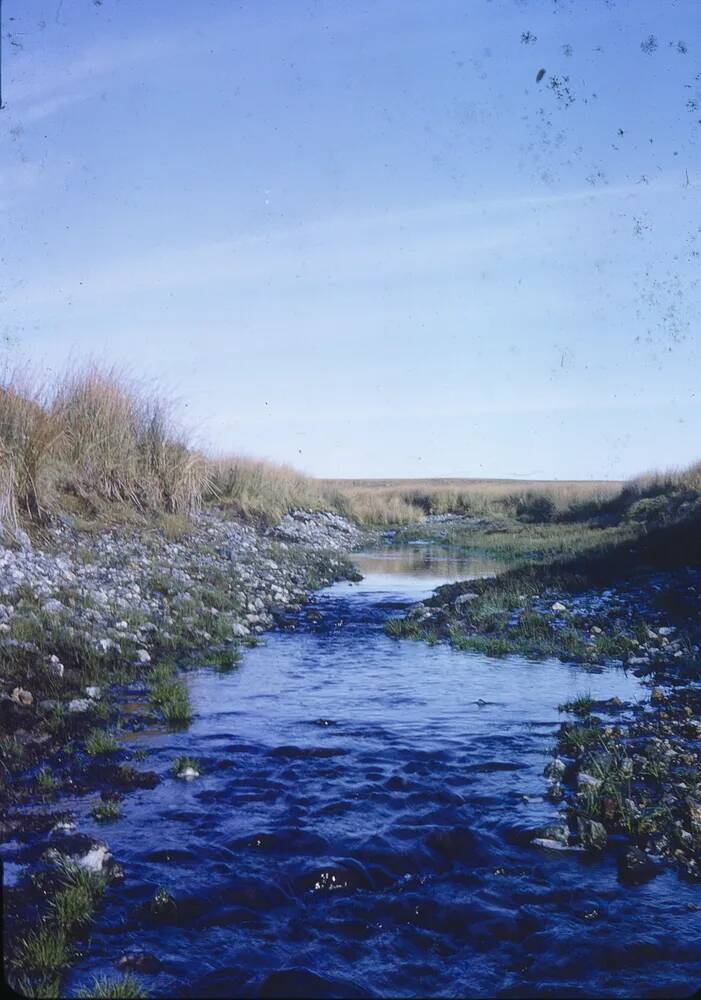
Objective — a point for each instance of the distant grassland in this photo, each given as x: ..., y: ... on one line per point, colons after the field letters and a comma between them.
x: 101, y: 446
x: 404, y: 501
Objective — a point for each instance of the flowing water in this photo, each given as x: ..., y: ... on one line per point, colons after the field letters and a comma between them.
x: 359, y: 826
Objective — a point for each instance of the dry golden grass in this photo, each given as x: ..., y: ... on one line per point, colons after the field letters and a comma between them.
x: 119, y: 443
x: 104, y: 447
x: 405, y: 500
x: 262, y: 490
x: 28, y: 437
x: 96, y: 436
x: 661, y: 481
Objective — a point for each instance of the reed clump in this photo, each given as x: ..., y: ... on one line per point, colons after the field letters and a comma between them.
x: 95, y: 437
x: 264, y: 491
x: 120, y: 443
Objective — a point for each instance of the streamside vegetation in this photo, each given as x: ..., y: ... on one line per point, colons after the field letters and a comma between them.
x: 41, y: 953
x: 391, y: 502
x: 107, y: 448
x: 609, y: 580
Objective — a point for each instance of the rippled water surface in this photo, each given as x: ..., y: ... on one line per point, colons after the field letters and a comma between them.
x: 359, y: 827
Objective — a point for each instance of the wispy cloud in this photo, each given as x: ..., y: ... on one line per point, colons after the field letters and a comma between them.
x: 38, y: 88
x: 408, y: 242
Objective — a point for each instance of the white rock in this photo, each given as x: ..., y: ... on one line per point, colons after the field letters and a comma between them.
x: 62, y: 826
x: 21, y: 696
x: 53, y: 607
x: 559, y: 606
x: 93, y: 692
x: 587, y: 780
x: 553, y: 845
x: 78, y: 705
x: 555, y: 768
x: 667, y: 630
x: 464, y: 599
x: 188, y: 773
x: 143, y: 656
x: 95, y: 859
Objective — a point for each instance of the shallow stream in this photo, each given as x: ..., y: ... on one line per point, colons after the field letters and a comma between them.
x: 359, y: 827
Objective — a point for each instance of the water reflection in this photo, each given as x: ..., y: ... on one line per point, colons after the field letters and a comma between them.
x: 433, y: 562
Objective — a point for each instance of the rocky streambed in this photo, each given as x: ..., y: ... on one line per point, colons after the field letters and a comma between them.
x: 628, y: 773
x: 96, y: 632
x: 331, y: 812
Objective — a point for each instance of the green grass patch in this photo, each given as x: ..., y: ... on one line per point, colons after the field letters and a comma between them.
x: 99, y: 742
x: 169, y: 695
x: 577, y: 738
x: 581, y: 705
x: 182, y: 763
x: 46, y: 783
x: 73, y: 875
x: 113, y: 988
x: 490, y: 646
x: 402, y: 628
x: 229, y: 658
x: 106, y: 812
x: 73, y: 907
x: 43, y: 953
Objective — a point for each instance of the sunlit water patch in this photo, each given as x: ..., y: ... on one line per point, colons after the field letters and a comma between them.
x: 360, y: 827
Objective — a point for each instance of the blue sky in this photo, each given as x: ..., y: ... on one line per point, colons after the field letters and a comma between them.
x: 360, y: 237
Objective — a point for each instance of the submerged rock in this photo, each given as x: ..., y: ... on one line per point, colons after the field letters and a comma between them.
x: 592, y: 833
x: 636, y: 867
x: 555, y: 769
x: 140, y: 961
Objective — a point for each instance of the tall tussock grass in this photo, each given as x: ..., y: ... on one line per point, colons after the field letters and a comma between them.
x: 97, y: 436
x: 261, y: 490
x: 119, y: 443
x: 28, y: 439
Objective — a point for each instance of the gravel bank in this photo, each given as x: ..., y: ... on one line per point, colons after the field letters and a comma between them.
x: 95, y: 630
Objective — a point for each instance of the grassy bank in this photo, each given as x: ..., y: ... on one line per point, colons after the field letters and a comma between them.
x: 651, y: 525
x: 97, y: 633
x: 605, y: 580
x: 100, y: 445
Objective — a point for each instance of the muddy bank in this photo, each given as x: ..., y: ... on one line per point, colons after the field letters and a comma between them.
x: 96, y: 629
